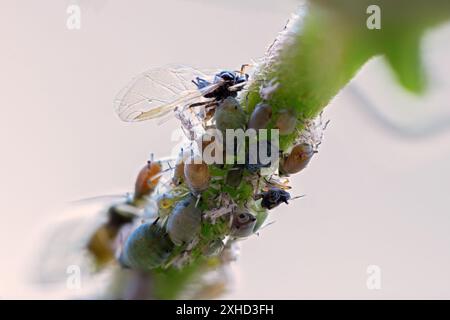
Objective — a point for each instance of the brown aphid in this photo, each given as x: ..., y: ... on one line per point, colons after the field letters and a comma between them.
x: 260, y: 116
x: 197, y: 176
x: 297, y: 159
x: 286, y: 122
x: 234, y: 177
x: 147, y: 179
x: 178, y: 173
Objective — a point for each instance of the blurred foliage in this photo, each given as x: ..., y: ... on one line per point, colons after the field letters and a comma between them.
x: 403, y: 22
x: 333, y: 43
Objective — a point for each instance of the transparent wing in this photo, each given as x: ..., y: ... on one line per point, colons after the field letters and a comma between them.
x: 63, y: 251
x: 158, y: 91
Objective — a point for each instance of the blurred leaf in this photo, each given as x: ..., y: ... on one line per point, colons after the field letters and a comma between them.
x: 403, y: 23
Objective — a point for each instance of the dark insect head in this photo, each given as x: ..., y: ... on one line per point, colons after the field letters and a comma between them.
x: 227, y: 75
x: 274, y: 197
x: 232, y: 78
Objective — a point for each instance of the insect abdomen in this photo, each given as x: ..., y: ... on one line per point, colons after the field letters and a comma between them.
x: 146, y: 248
x: 185, y: 222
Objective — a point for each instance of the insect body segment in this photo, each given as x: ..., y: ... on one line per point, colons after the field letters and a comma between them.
x: 197, y: 176
x: 184, y: 223
x: 297, y: 159
x: 146, y: 248
x: 230, y: 115
x: 147, y: 180
x: 260, y: 116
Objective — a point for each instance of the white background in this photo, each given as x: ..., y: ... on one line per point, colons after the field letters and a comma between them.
x: 375, y: 195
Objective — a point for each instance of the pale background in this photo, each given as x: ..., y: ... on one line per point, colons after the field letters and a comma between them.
x: 377, y: 193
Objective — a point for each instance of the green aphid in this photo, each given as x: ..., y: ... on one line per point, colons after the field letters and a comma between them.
x: 184, y: 222
x: 234, y: 177
x: 230, y: 115
x: 147, y: 247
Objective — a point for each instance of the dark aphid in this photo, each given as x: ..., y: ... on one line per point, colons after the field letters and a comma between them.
x: 101, y: 243
x: 147, y: 247
x: 297, y: 159
x: 234, y: 177
x: 273, y: 197
x: 260, y: 116
x: 197, y: 176
x: 242, y: 225
x: 184, y: 222
x: 230, y: 83
x: 286, y: 122
x: 147, y: 180
x: 159, y: 91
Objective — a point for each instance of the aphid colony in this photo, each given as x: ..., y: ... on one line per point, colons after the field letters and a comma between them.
x: 184, y: 210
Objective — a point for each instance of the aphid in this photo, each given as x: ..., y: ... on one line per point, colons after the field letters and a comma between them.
x: 234, y: 177
x: 214, y: 248
x: 286, y: 122
x: 197, y: 176
x: 230, y: 115
x: 227, y: 82
x: 297, y: 159
x: 165, y: 202
x: 184, y: 222
x: 147, y: 180
x: 159, y: 91
x: 260, y: 116
x: 242, y: 225
x: 101, y: 243
x: 178, y: 173
x: 273, y: 197
x: 146, y: 248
